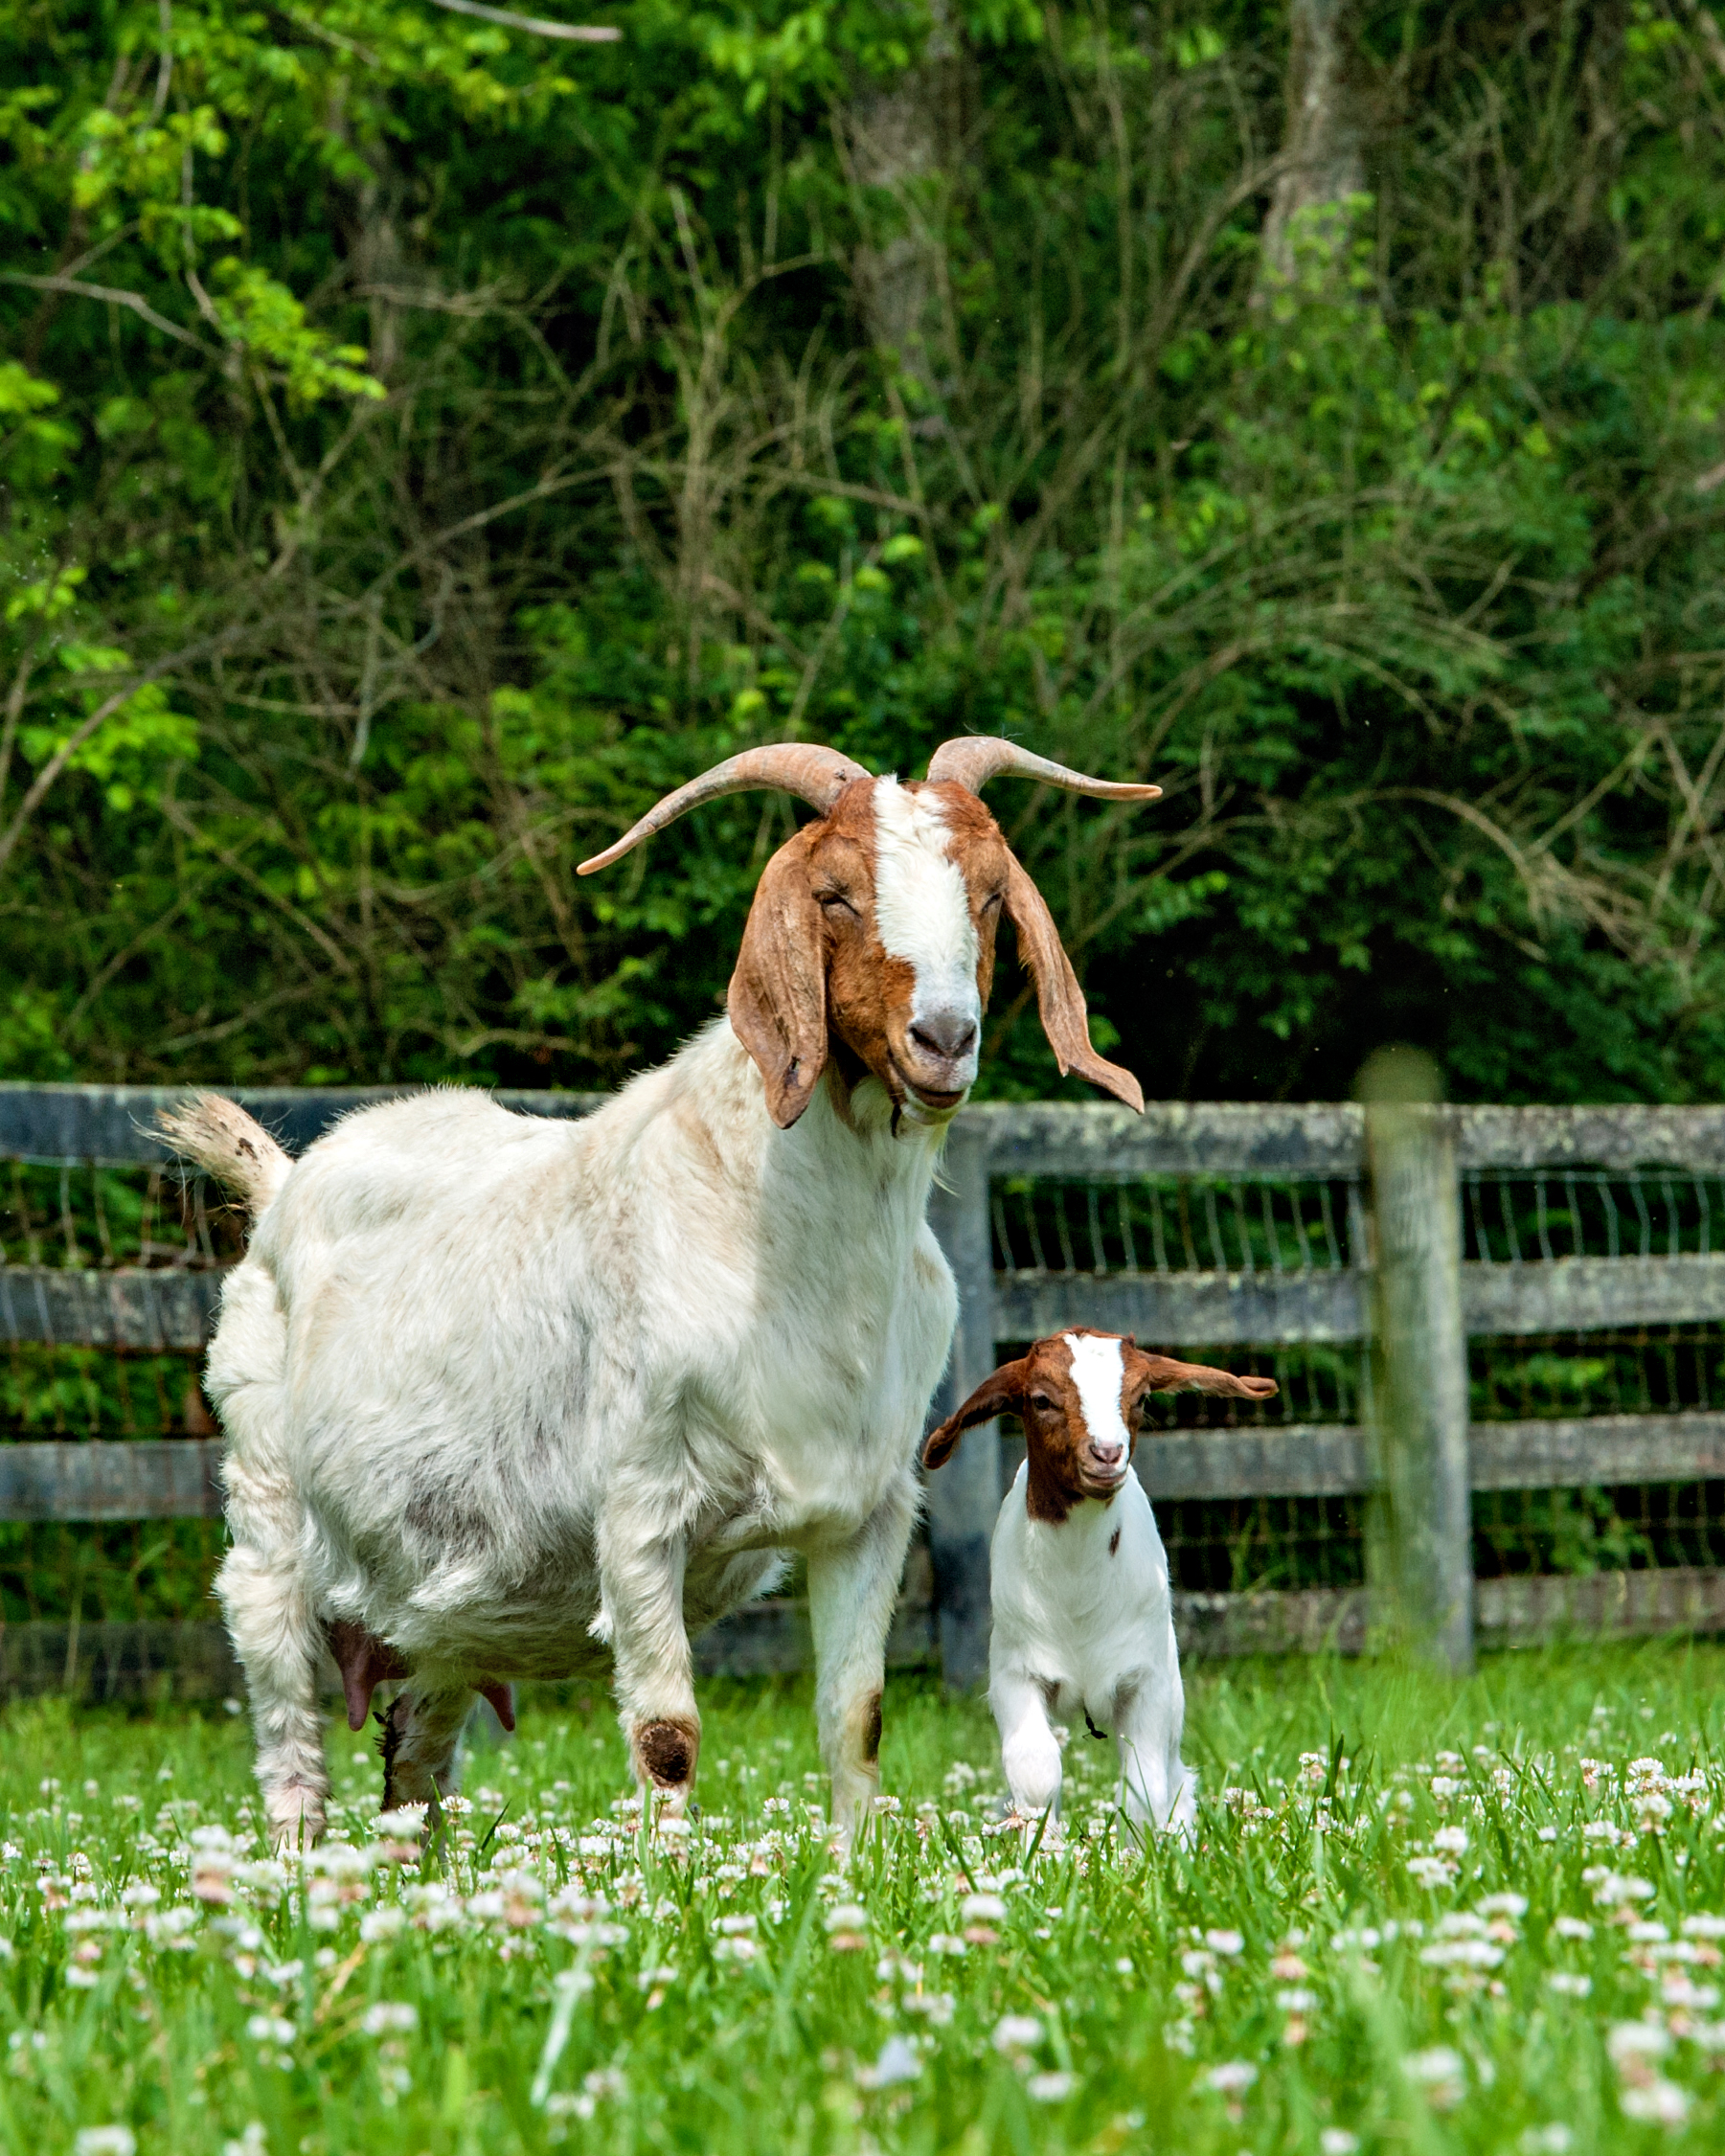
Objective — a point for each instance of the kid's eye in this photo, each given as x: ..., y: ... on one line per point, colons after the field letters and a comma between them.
x: 835, y: 902
x: 1042, y: 1404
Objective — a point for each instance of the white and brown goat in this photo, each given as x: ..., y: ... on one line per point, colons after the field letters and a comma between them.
x: 1083, y: 1613
x: 502, y: 1393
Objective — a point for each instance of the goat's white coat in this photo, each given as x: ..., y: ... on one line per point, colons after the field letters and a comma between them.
x: 921, y: 908
x: 1083, y: 1625
x: 497, y: 1386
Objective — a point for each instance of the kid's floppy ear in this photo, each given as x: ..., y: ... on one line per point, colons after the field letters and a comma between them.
x: 778, y: 994
x: 1159, y: 1374
x: 999, y: 1395
x: 1060, y: 999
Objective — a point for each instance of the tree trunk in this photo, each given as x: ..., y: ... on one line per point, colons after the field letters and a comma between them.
x: 1327, y: 93
x: 898, y: 139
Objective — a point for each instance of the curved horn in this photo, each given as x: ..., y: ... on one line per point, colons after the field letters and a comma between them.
x: 972, y: 759
x: 816, y: 774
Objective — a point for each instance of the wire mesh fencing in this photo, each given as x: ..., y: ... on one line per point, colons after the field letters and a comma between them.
x: 80, y: 1217
x: 1259, y: 1265
x: 1170, y: 1226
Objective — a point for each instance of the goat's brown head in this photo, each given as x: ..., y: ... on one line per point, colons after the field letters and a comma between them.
x: 1081, y: 1396
x: 872, y: 935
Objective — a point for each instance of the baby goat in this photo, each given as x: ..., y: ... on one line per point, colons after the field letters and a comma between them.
x: 1083, y: 1617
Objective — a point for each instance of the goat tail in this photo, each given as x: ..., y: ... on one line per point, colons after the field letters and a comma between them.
x: 226, y: 1143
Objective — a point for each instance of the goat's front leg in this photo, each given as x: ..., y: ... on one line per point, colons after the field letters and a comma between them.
x: 640, y: 1614
x: 852, y: 1591
x: 1029, y: 1752
x: 1150, y: 1716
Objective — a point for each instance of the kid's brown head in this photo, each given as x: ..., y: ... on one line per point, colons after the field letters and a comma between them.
x: 1080, y: 1398
x: 873, y: 929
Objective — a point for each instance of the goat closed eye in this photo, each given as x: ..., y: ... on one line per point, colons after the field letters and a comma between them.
x: 834, y: 902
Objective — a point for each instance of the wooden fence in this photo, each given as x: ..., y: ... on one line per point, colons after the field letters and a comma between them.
x: 1307, y: 1282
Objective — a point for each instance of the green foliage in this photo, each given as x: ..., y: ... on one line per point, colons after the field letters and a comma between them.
x: 428, y: 442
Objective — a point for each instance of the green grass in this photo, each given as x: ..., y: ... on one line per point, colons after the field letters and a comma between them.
x: 1314, y: 1975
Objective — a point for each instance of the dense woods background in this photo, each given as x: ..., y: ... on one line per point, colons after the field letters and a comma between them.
x: 423, y: 441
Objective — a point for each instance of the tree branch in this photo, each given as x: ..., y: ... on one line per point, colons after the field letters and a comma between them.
x: 578, y: 33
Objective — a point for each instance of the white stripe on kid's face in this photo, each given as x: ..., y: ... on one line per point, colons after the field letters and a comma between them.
x: 1098, y: 1371
x: 921, y: 908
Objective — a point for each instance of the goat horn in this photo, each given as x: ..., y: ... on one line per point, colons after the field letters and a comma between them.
x: 972, y: 759
x: 816, y: 774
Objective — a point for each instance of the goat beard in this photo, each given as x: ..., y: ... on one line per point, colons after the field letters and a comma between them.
x: 845, y: 1071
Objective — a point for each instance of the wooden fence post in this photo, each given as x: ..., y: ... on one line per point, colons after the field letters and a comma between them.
x: 1423, y: 1551
x: 963, y: 1499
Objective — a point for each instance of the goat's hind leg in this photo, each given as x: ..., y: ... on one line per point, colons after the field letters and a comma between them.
x: 281, y: 1646
x: 852, y: 1590
x: 421, y: 1739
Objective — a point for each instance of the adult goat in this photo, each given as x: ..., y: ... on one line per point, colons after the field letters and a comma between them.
x: 500, y: 1393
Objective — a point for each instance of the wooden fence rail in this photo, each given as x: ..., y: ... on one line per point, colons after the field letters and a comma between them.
x: 171, y: 1309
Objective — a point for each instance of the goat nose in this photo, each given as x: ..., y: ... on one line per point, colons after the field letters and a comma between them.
x: 1107, y: 1455
x: 945, y: 1034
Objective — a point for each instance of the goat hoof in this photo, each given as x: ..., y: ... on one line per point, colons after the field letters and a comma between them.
x: 666, y: 1751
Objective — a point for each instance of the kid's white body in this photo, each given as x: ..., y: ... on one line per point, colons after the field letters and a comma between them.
x: 1083, y: 1625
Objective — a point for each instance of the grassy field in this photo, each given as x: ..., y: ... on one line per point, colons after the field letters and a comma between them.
x: 1417, y: 1918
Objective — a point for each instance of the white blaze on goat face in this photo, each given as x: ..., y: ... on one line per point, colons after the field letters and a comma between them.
x: 923, y: 908
x: 1099, y: 1375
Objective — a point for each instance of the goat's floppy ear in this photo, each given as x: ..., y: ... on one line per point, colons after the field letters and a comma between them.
x: 998, y: 1394
x: 1060, y: 999
x: 778, y: 994
x: 1160, y: 1373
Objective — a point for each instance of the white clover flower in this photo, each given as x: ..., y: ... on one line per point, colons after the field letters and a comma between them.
x: 1612, y: 1889
x: 1232, y: 2077
x: 937, y: 2008
x: 1658, y: 2103
x: 1432, y: 1872
x: 1703, y: 1927
x: 1569, y: 1984
x: 406, y: 1823
x: 390, y: 2018
x: 1439, y: 2072
x: 947, y: 1943
x: 898, y: 2062
x: 378, y: 1924
x: 1016, y: 2032
x: 1225, y: 1942
x: 1571, y: 1927
x: 1337, y: 2140
x: 1515, y: 1906
x: 1050, y: 2088
x: 105, y: 2141
x: 1450, y: 1841
x: 1445, y: 1786
x: 983, y: 1909
x: 1461, y: 1954
x: 1634, y: 2041
x: 1546, y: 2141
x: 270, y: 2028
x: 846, y: 1916
x: 739, y: 1949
